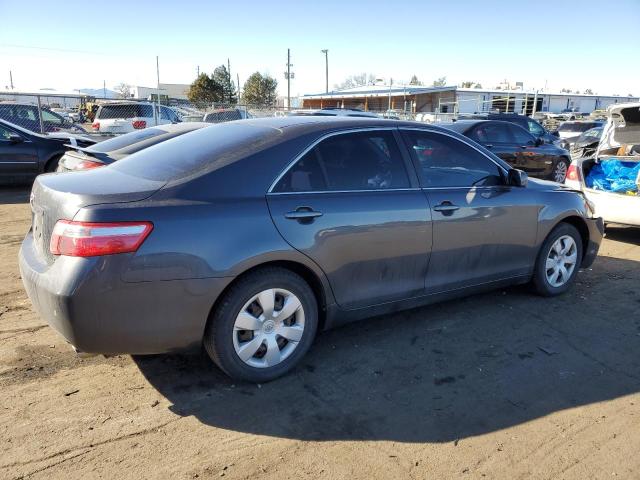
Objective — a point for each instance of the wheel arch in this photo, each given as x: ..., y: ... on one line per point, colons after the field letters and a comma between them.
x: 53, y: 157
x: 580, y: 225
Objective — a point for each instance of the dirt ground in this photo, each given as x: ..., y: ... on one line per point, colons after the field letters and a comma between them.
x: 502, y: 385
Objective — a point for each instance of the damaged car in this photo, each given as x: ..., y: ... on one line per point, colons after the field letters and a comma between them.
x: 610, y: 178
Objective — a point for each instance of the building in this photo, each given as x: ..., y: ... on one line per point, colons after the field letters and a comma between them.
x: 171, y: 90
x: 452, y: 99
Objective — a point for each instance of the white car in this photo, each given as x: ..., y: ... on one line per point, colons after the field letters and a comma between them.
x: 616, y: 199
x: 125, y: 117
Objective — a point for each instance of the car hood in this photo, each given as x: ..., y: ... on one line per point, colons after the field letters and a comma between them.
x: 623, y: 126
x: 547, y: 185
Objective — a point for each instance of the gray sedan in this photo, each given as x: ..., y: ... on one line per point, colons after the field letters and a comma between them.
x: 249, y: 237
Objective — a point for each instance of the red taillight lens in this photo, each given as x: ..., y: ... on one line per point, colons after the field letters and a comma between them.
x: 86, y: 165
x: 139, y: 124
x: 572, y: 173
x: 85, y: 239
x: 95, y: 125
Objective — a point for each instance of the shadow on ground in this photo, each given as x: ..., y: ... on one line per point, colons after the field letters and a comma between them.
x: 438, y: 373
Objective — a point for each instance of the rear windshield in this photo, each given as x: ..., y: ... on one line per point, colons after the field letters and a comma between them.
x: 125, y: 110
x: 224, y: 116
x: 202, y: 150
x: 577, y: 126
x: 122, y: 141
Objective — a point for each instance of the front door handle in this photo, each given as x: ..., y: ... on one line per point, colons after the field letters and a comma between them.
x: 446, y: 208
x: 302, y: 214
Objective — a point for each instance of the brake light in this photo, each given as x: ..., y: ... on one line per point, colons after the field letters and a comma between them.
x: 572, y: 173
x: 139, y: 124
x: 86, y: 239
x: 95, y: 125
x: 86, y: 165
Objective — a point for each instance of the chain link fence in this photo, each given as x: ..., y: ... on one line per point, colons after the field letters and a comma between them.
x: 101, y: 117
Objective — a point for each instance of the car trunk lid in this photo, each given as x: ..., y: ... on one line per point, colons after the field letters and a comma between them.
x: 60, y: 196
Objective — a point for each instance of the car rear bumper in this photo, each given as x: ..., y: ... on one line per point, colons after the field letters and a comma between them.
x: 88, y: 303
x: 596, y: 232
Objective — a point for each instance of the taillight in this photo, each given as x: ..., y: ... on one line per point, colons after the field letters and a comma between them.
x: 86, y: 239
x: 86, y: 165
x: 95, y: 125
x: 572, y: 173
x: 139, y: 124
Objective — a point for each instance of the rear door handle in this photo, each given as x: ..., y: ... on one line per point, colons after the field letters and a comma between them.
x: 302, y: 213
x: 446, y: 207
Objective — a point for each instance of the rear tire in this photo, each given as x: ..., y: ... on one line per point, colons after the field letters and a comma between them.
x: 248, y: 342
x: 558, y: 261
x: 559, y: 173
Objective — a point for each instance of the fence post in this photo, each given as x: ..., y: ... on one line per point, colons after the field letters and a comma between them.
x: 40, y: 114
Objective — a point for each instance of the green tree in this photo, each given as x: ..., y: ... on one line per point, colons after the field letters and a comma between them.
x: 588, y: 91
x: 414, y: 81
x: 440, y: 82
x: 466, y: 84
x: 356, y: 81
x: 222, y: 76
x: 259, y: 90
x: 205, y: 90
x: 477, y: 85
x: 123, y: 90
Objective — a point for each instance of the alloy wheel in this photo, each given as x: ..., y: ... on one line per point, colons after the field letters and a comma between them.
x: 268, y: 328
x: 561, y: 261
x: 560, y: 171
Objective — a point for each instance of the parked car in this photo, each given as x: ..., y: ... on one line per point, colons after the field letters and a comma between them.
x: 531, y: 125
x: 124, y: 117
x: 25, y: 154
x: 226, y: 115
x: 249, y: 237
x: 517, y: 147
x: 615, y: 198
x: 569, y: 132
x: 108, y: 151
x: 587, y: 143
x: 26, y: 116
x: 333, y: 112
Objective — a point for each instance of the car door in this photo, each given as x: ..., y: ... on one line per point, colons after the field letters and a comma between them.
x: 496, y: 136
x: 350, y: 204
x: 483, y: 229
x: 18, y: 155
x: 531, y: 157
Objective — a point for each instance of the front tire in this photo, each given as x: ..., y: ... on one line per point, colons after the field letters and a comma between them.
x: 263, y: 325
x: 558, y: 261
x: 559, y: 173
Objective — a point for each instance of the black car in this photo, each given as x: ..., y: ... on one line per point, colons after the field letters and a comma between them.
x: 108, y: 151
x: 529, y: 124
x: 25, y: 154
x: 587, y: 143
x: 249, y: 237
x: 26, y: 116
x: 516, y: 146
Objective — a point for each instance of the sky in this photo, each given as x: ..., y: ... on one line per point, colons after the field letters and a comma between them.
x: 558, y: 44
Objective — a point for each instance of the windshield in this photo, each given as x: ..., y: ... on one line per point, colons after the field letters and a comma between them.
x: 125, y: 110
x: 196, y: 151
x: 577, y: 126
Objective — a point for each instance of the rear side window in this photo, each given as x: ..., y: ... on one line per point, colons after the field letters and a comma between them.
x: 125, y: 110
x: 534, y: 128
x: 492, y: 133
x: 223, y: 116
x: 447, y: 162
x: 348, y: 162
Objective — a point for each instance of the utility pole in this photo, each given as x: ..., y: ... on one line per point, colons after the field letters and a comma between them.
x: 11, y: 79
x: 238, y: 80
x: 229, y: 77
x: 158, y: 99
x: 198, y: 71
x: 326, y: 69
x: 289, y: 75
x: 104, y: 89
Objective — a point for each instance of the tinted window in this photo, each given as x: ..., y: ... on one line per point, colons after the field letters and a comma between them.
x: 5, y: 133
x: 51, y: 118
x: 492, y: 133
x: 223, y: 116
x: 447, y: 162
x: 167, y: 114
x: 534, y: 128
x: 354, y: 161
x: 521, y: 136
x: 125, y: 111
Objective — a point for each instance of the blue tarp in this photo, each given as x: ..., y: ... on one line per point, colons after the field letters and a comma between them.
x: 614, y: 175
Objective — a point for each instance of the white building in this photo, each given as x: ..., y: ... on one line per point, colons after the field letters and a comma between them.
x: 171, y: 90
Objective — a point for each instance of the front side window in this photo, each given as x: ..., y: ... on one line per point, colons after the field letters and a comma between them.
x: 534, y: 128
x: 348, y: 162
x: 5, y: 133
x: 521, y: 136
x: 447, y: 162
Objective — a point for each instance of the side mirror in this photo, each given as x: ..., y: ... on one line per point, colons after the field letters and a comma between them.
x: 555, y: 133
x: 14, y: 138
x: 517, y: 178
x: 539, y: 141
